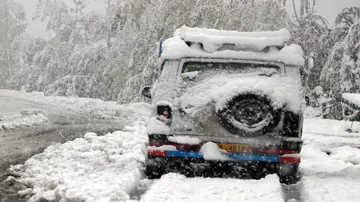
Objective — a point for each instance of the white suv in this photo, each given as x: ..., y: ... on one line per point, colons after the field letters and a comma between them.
x: 226, y: 104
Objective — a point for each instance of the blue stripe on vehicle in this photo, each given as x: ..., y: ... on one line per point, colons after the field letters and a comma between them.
x: 243, y: 157
x: 239, y: 157
x: 197, y: 155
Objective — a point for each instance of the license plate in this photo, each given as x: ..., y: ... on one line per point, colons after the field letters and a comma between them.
x: 235, y: 148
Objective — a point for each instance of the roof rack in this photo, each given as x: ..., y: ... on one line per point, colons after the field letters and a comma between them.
x: 211, y: 40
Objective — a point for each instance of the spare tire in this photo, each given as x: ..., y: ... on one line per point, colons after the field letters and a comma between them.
x: 249, y: 115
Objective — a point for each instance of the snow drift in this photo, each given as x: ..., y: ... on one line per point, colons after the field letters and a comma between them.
x: 93, y: 168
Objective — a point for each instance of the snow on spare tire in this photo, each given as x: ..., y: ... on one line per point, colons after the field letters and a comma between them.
x: 248, y: 114
x: 269, y: 94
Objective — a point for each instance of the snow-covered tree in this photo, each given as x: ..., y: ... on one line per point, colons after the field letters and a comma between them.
x: 341, y: 72
x: 112, y: 56
x: 12, y: 23
x: 311, y: 32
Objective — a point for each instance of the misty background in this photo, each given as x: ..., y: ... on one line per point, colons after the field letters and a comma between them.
x: 107, y: 48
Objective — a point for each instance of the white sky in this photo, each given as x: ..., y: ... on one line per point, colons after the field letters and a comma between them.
x: 327, y: 8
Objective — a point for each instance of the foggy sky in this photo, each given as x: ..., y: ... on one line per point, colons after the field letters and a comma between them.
x: 327, y: 8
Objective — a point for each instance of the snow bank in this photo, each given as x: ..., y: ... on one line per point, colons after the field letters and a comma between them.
x: 321, y: 162
x: 282, y: 92
x: 329, y: 163
x: 156, y: 126
x: 346, y: 154
x: 26, y: 119
x: 329, y: 127
x: 93, y: 168
x: 330, y: 189
x: 177, y: 188
x: 88, y: 106
x: 330, y: 175
x: 212, y: 40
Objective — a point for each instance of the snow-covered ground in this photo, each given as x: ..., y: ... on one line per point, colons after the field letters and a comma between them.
x: 93, y: 168
x: 109, y: 168
x: 26, y: 118
x: 17, y: 116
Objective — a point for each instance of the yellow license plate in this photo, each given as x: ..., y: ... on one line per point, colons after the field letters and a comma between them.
x: 235, y: 148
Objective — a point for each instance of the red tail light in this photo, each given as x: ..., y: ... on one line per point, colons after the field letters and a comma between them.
x: 290, y: 159
x: 277, y: 151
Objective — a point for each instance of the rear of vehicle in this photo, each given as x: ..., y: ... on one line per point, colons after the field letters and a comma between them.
x: 224, y: 111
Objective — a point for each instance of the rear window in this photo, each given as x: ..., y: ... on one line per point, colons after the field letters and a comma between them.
x: 194, y: 73
x: 231, y: 68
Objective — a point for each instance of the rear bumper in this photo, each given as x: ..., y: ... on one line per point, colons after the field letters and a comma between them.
x: 287, y: 158
x: 276, y: 150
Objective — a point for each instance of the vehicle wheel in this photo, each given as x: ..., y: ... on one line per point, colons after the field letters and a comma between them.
x: 288, y: 173
x: 154, y: 170
x: 248, y: 114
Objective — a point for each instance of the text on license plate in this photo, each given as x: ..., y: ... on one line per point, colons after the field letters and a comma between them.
x: 235, y: 148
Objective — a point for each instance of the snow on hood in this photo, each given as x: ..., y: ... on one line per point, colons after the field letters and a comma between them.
x: 282, y: 92
x: 176, y: 48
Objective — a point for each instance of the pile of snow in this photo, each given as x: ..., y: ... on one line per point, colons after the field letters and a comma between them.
x: 93, y: 168
x: 282, y: 92
x: 329, y: 127
x: 334, y: 189
x: 27, y: 118
x: 330, y: 160
x: 211, y: 151
x: 212, y: 40
x: 328, y: 172
x: 346, y: 154
x: 88, y: 106
x: 156, y: 126
x: 177, y: 188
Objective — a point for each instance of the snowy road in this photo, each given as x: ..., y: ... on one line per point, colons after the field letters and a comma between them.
x: 65, y: 124
x: 110, y: 167
x: 330, y: 168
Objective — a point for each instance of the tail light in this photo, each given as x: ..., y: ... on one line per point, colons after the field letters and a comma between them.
x: 164, y: 113
x: 292, y: 125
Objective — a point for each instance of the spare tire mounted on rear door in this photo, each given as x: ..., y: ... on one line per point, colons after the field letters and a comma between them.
x: 249, y: 115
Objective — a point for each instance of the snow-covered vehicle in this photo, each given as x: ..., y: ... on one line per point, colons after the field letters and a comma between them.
x: 226, y: 103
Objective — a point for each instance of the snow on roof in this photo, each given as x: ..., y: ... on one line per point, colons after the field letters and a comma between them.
x: 353, y: 98
x: 213, y: 39
x: 249, y: 45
